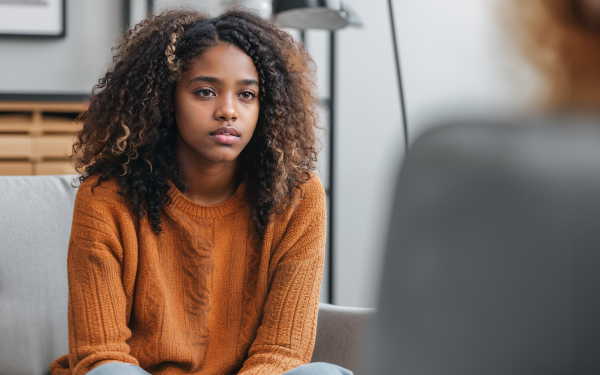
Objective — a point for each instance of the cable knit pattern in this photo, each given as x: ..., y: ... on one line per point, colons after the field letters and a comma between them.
x: 209, y: 295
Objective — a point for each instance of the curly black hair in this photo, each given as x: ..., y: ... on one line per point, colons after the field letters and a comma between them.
x: 128, y: 131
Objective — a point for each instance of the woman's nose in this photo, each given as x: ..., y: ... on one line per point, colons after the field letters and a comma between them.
x: 226, y: 111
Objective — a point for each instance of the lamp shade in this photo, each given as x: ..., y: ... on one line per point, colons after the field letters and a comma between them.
x: 310, y: 14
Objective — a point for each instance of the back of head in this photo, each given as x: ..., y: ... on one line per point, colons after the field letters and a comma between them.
x: 493, y: 254
x: 562, y: 39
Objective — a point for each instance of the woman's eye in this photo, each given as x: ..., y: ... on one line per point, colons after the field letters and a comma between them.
x: 204, y: 93
x: 247, y: 95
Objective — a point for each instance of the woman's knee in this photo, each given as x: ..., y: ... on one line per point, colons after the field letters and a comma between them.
x: 319, y: 368
x: 117, y: 368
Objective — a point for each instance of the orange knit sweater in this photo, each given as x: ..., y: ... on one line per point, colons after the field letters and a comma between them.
x: 206, y: 296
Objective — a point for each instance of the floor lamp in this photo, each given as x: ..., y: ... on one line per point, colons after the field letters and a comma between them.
x: 325, y: 15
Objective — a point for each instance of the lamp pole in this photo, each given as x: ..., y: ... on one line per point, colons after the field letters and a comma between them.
x: 328, y: 15
x: 331, y: 169
x: 399, y: 77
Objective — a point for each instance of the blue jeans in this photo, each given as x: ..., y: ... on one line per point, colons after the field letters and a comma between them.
x: 317, y: 368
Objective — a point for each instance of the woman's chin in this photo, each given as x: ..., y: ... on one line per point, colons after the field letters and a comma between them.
x: 222, y: 157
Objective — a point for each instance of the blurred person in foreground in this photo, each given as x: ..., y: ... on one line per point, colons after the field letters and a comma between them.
x: 562, y: 40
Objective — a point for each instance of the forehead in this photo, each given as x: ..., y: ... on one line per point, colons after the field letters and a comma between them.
x: 223, y: 61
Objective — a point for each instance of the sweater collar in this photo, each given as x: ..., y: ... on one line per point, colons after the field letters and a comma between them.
x: 181, y: 203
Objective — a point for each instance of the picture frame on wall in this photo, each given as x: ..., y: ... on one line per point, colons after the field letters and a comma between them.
x: 33, y: 18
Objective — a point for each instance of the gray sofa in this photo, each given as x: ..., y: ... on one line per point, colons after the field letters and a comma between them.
x: 35, y: 223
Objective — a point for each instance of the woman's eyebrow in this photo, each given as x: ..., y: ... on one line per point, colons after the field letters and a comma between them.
x: 206, y: 79
x: 219, y: 81
x: 247, y: 82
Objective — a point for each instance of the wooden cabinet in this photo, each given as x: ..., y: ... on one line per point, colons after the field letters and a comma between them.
x: 36, y: 137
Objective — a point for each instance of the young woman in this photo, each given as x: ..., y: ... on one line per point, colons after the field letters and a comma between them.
x: 199, y: 227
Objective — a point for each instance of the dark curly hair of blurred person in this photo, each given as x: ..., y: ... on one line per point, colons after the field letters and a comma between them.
x: 129, y: 129
x: 561, y: 38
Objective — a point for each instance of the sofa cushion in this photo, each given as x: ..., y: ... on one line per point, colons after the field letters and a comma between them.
x: 35, y: 223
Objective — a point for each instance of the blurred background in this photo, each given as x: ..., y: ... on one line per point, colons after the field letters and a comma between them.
x: 457, y: 59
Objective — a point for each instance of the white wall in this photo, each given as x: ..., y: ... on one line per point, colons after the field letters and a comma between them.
x: 459, y: 58
x: 65, y: 65
x: 203, y: 5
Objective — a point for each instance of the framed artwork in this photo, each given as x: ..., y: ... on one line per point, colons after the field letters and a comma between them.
x: 32, y: 18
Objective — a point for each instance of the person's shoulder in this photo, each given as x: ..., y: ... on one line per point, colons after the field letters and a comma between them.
x: 309, y: 198
x: 303, y: 221
x: 94, y: 190
x: 311, y: 187
x: 102, y: 216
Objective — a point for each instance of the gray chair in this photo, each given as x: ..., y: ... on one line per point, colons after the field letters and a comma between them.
x: 493, y: 260
x: 35, y: 223
x: 343, y: 335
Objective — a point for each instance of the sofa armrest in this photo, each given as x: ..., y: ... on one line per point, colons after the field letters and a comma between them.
x: 342, y: 335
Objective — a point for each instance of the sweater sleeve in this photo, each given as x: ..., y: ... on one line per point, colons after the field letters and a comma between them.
x: 97, y: 264
x: 286, y: 336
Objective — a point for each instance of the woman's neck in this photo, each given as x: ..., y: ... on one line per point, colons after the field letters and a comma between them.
x: 208, y: 183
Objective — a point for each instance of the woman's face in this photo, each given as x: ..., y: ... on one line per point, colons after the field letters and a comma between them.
x: 216, y: 105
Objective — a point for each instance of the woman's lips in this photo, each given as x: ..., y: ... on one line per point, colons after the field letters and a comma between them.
x: 225, y: 135
x: 225, y: 139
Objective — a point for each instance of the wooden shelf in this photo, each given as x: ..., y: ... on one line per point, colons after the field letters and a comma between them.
x: 16, y: 106
x: 36, y: 137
